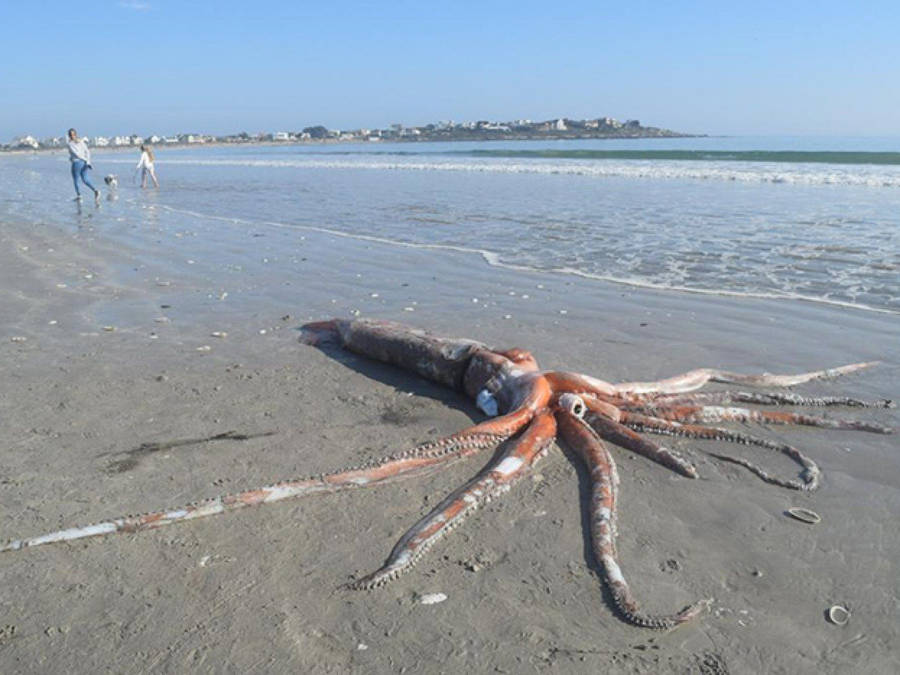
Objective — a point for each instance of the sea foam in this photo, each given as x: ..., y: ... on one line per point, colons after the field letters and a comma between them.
x: 878, y: 176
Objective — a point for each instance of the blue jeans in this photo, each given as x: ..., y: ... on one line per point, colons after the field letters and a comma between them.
x: 80, y: 168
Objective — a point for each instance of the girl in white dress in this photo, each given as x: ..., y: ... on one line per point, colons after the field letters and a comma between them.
x: 146, y: 166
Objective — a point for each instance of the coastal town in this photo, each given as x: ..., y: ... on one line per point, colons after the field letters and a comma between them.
x: 482, y: 130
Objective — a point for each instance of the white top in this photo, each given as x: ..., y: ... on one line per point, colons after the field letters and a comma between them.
x: 79, y: 150
x: 144, y: 162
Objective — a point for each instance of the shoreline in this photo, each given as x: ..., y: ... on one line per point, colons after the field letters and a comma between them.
x: 355, y: 141
x: 80, y: 401
x: 492, y: 259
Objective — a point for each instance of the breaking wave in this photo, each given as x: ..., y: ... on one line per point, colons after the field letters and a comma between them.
x: 603, y: 165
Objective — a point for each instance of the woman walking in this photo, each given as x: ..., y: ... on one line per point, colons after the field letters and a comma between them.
x: 80, y: 156
x: 146, y: 166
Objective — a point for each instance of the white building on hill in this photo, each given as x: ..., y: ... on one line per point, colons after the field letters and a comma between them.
x: 26, y: 143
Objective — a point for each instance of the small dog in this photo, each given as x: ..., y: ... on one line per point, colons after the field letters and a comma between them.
x: 112, y: 180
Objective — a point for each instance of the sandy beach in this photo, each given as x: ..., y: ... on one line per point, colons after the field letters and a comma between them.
x: 107, y: 345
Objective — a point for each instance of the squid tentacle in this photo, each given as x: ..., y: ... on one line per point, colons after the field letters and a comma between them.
x: 809, y: 477
x: 578, y: 383
x: 705, y: 414
x: 694, y: 379
x: 415, y: 462
x: 487, y: 434
x: 491, y: 482
x: 604, y: 418
x: 761, y: 398
x: 580, y: 406
x: 604, y: 477
x: 621, y: 435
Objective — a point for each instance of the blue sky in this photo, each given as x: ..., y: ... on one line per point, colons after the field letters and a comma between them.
x: 161, y: 66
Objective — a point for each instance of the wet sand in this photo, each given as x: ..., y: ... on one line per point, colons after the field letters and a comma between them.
x: 114, y: 357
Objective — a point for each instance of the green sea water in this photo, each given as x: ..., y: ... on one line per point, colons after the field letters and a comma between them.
x: 774, y: 156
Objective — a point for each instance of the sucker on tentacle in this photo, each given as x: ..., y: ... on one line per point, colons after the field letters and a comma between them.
x: 527, y: 409
x: 809, y: 476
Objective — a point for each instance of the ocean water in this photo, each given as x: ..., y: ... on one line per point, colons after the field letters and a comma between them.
x: 808, y: 219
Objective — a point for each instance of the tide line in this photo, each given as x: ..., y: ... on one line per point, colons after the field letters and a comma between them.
x: 493, y: 259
